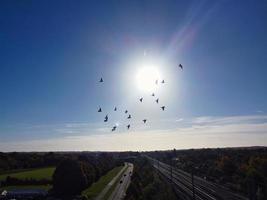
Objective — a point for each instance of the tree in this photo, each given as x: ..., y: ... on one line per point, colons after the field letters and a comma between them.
x: 227, y: 165
x: 69, y: 178
x: 89, y: 171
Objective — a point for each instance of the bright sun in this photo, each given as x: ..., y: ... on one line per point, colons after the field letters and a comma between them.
x: 146, y: 78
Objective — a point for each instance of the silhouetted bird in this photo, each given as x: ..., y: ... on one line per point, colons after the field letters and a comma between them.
x: 106, y: 118
x: 181, y: 66
x: 115, y: 109
x: 114, y: 128
x: 101, y: 80
x: 144, y: 120
x: 162, y: 81
x: 153, y: 95
x: 99, y: 110
x: 156, y: 82
x: 163, y: 108
x: 141, y: 100
x: 126, y: 111
x: 128, y: 126
x: 157, y: 100
x: 129, y: 117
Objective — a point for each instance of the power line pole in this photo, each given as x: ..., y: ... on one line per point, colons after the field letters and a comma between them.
x: 171, y: 170
x: 193, y: 185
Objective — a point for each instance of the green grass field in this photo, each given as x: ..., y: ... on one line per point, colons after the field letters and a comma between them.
x: 97, y: 187
x: 14, y: 171
x: 44, y: 187
x: 37, y: 174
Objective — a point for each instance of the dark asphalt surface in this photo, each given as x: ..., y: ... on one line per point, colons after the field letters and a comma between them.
x: 120, y: 190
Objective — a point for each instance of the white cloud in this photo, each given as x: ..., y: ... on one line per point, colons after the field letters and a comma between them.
x: 179, y: 120
x: 260, y: 111
x: 229, y: 119
x: 188, y: 133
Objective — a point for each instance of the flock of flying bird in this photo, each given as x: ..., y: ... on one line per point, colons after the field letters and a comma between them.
x: 141, y: 100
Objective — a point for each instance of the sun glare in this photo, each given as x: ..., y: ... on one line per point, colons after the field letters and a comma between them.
x: 146, y: 78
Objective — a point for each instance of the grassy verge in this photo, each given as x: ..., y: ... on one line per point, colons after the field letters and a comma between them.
x: 97, y: 187
x: 112, y: 188
x: 37, y: 174
x: 12, y: 171
x: 44, y: 187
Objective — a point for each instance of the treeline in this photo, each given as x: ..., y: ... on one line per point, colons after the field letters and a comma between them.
x: 18, y: 161
x: 146, y: 184
x: 243, y: 170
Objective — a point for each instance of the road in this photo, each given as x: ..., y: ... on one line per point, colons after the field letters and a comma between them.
x: 204, y: 190
x: 109, y: 185
x: 120, y: 190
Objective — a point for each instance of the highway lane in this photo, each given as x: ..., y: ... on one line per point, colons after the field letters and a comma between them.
x: 121, y: 188
x: 204, y: 190
x: 109, y: 185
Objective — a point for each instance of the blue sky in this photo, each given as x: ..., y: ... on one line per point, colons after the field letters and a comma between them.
x: 53, y: 53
